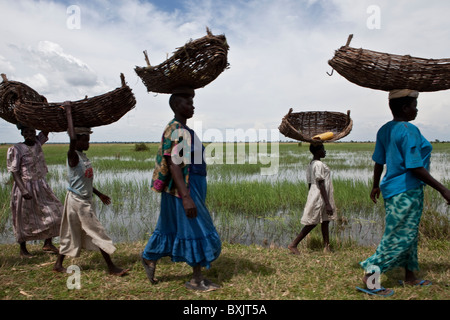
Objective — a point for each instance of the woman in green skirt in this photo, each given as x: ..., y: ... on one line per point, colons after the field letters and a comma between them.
x: 406, y: 153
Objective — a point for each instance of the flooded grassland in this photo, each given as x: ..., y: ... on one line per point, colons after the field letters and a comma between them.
x: 256, y: 192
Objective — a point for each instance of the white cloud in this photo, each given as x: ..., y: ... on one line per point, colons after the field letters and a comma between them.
x: 279, y: 52
x: 6, y: 66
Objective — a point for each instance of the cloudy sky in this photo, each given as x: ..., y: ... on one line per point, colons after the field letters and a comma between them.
x: 279, y: 52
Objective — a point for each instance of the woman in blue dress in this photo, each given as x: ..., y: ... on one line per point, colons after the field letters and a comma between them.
x: 185, y: 230
x: 406, y: 153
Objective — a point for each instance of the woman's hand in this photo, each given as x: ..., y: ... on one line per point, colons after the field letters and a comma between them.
x: 26, y: 195
x: 329, y: 209
x: 189, y: 207
x: 446, y: 195
x: 105, y: 199
x: 375, y: 194
x: 18, y: 180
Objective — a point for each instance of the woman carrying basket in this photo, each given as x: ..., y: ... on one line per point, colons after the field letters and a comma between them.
x: 406, y: 153
x: 36, y: 211
x: 80, y: 227
x: 185, y: 230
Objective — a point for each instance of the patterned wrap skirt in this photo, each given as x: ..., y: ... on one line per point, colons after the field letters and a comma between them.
x: 398, y: 246
x: 194, y: 241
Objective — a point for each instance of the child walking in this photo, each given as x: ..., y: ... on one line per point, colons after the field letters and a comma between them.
x: 80, y: 227
x: 320, y: 206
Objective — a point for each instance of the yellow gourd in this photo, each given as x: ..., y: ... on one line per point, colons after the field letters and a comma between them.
x: 324, y: 136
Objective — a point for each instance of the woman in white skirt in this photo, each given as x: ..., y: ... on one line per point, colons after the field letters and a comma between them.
x: 320, y: 206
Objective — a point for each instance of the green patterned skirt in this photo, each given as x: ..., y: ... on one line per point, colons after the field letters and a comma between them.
x: 398, y: 246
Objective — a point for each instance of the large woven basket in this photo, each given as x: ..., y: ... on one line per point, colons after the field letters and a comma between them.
x: 382, y: 71
x: 303, y: 126
x: 10, y: 91
x: 89, y: 112
x: 194, y: 65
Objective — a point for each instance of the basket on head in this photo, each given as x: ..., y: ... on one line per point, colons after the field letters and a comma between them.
x: 89, y: 112
x: 303, y: 126
x: 196, y: 64
x: 382, y: 71
x: 10, y: 93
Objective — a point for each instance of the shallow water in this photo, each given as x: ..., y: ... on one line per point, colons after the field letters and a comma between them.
x: 135, y: 216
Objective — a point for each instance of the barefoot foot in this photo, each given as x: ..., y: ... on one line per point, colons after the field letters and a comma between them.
x: 60, y: 269
x: 119, y: 272
x: 293, y: 250
x: 50, y: 248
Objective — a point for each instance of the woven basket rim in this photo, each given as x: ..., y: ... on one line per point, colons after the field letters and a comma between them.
x: 10, y: 89
x: 385, y: 71
x: 186, y: 67
x: 288, y: 130
x: 95, y: 111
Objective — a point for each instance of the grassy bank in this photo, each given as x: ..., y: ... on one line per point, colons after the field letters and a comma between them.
x: 244, y: 272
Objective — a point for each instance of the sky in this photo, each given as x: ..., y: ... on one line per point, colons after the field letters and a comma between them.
x: 279, y: 52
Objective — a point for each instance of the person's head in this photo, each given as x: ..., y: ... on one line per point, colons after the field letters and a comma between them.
x: 28, y: 133
x: 182, y: 102
x: 403, y: 104
x: 83, y: 138
x: 318, y: 150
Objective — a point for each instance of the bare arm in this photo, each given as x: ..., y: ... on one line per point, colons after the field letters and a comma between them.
x: 177, y: 176
x: 18, y: 180
x: 377, y: 171
x: 72, y: 156
x: 425, y: 176
x: 103, y: 197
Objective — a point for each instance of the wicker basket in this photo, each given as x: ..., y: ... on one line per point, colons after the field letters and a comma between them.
x: 382, y: 71
x: 194, y: 65
x: 10, y: 91
x: 303, y: 126
x: 89, y: 112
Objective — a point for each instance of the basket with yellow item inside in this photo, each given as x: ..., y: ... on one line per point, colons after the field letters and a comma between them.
x: 316, y: 126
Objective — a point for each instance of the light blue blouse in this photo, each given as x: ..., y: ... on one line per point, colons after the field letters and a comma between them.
x: 81, y: 177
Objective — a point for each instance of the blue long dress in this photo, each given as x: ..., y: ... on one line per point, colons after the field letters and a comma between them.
x: 194, y: 241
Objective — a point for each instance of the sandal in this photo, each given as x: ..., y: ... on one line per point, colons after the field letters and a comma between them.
x: 150, y: 271
x: 382, y: 292
x: 204, y: 286
x: 420, y: 283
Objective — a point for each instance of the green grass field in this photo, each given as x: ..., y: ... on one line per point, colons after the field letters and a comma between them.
x: 244, y: 273
x: 237, y: 195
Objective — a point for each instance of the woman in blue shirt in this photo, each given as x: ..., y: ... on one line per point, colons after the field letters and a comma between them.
x: 406, y: 153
